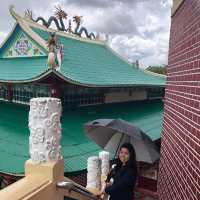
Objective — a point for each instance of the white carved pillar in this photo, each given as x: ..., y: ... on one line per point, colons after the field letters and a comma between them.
x: 45, y: 129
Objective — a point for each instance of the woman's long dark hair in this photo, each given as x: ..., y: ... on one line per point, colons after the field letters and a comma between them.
x: 132, y: 163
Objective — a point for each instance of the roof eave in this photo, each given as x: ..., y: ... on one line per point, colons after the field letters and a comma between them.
x: 60, y: 75
x: 34, y: 79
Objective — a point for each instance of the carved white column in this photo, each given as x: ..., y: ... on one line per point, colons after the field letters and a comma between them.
x: 94, y: 174
x: 45, y: 129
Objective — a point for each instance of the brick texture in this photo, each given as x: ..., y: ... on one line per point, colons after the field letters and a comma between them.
x: 179, y: 175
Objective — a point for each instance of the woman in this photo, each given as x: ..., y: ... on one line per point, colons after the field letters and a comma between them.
x: 123, y: 176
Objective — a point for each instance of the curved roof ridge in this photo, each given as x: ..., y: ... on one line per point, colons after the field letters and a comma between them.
x: 9, y: 34
x: 154, y: 74
x: 119, y: 56
x: 29, y: 22
x: 61, y: 33
x: 27, y: 29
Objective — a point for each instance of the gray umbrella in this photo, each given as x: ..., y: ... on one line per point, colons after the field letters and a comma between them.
x: 110, y: 134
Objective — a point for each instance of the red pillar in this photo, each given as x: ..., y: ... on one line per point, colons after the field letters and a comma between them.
x: 55, y: 91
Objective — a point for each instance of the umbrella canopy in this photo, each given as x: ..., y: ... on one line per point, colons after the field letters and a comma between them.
x: 110, y: 134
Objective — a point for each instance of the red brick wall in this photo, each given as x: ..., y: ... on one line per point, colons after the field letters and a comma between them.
x: 179, y: 176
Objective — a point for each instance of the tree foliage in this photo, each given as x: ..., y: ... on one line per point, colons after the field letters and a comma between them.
x: 157, y: 69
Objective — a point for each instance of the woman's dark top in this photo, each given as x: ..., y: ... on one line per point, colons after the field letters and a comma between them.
x: 124, y: 183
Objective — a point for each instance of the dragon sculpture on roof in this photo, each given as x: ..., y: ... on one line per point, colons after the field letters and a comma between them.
x: 58, y: 18
x: 79, y: 31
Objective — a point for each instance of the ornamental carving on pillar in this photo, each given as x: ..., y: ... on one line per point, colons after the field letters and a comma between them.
x: 45, y: 129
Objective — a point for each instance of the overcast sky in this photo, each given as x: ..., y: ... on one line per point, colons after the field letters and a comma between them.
x: 137, y: 29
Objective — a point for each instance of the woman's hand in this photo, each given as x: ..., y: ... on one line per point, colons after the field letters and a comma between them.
x: 103, y: 187
x: 99, y: 195
x: 108, y: 184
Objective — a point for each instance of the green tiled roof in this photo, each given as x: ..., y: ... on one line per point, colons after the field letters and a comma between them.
x: 96, y: 64
x: 20, y: 69
x: 84, y: 62
x: 76, y: 147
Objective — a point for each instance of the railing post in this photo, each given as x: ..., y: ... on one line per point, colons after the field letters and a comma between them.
x: 45, y: 130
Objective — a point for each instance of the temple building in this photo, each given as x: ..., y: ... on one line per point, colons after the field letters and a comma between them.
x: 91, y: 80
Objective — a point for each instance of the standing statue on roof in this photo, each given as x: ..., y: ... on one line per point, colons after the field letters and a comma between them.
x: 60, y: 56
x: 52, y: 44
x: 55, y: 52
x: 77, y: 20
x: 57, y: 19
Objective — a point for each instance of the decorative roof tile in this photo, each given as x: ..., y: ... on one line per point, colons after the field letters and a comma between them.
x: 96, y: 64
x: 22, y: 69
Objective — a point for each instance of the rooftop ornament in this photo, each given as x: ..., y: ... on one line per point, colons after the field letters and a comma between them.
x: 55, y: 52
x: 80, y: 30
x: 58, y: 18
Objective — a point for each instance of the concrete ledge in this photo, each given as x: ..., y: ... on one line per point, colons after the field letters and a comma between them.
x: 52, y: 171
x: 39, y: 183
x: 176, y: 5
x: 23, y: 188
